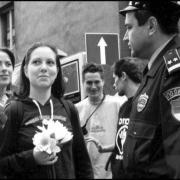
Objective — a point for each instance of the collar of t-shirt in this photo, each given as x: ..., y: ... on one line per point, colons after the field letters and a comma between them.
x: 156, y: 53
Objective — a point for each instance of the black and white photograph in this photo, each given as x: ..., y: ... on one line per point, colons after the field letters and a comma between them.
x: 90, y: 89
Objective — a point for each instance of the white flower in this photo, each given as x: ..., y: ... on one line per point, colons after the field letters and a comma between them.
x: 56, y: 129
x: 67, y: 138
x: 43, y: 142
x: 45, y: 121
x: 52, y: 133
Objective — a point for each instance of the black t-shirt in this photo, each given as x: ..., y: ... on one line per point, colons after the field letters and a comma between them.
x: 122, y: 126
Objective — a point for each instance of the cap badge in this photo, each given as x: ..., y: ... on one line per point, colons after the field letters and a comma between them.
x: 142, y: 101
x: 136, y: 3
x: 130, y: 3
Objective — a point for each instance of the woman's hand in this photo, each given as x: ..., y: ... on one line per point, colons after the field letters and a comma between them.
x: 44, y: 158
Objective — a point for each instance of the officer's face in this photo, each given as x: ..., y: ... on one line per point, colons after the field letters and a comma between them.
x: 93, y: 84
x: 136, y: 36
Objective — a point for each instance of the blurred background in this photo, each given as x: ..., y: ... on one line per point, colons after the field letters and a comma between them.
x: 63, y: 24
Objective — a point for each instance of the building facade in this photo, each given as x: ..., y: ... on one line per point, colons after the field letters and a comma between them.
x: 61, y: 23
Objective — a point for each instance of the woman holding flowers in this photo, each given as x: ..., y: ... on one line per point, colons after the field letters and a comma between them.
x: 43, y: 142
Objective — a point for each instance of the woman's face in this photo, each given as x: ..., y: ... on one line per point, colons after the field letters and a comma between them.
x: 42, y: 68
x: 6, y: 69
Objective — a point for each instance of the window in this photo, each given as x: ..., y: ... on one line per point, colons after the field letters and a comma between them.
x: 7, y: 26
x: 72, y: 74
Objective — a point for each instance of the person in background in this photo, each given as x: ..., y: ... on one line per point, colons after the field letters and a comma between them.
x: 7, y: 62
x: 40, y: 97
x: 152, y: 148
x: 98, y: 116
x: 127, y: 73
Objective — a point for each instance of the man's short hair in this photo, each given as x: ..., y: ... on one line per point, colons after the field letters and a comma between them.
x: 133, y: 67
x: 93, y: 68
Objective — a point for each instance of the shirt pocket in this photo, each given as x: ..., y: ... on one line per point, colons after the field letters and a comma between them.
x: 139, y: 142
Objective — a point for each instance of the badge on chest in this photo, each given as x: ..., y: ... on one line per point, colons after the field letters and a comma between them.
x: 142, y: 101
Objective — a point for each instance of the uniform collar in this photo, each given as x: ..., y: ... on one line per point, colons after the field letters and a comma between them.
x: 154, y: 62
x: 157, y: 52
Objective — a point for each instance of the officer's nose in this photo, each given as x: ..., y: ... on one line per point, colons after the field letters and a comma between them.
x: 125, y: 38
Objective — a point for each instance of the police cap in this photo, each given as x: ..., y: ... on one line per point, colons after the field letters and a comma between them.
x: 158, y: 7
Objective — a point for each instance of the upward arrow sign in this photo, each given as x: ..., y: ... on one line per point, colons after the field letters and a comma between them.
x: 102, y: 45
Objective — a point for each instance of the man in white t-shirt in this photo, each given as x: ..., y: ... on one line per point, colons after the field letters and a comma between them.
x: 98, y: 115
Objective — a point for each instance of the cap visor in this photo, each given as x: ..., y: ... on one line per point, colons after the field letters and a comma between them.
x: 125, y: 10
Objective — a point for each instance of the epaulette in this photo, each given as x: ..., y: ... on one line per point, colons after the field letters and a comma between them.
x: 172, y: 60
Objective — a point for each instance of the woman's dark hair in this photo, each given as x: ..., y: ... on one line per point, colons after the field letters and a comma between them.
x: 10, y: 54
x: 167, y: 22
x: 131, y: 66
x: 58, y: 86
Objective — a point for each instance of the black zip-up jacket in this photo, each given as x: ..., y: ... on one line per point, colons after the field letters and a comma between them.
x: 16, y: 151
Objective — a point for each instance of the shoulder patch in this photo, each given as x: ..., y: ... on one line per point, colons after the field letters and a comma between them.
x: 172, y: 93
x: 172, y: 60
x: 173, y: 97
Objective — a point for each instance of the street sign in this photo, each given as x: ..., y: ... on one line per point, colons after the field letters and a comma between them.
x: 102, y: 48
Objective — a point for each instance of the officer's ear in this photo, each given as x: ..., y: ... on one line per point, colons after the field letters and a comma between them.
x: 123, y: 76
x: 152, y: 25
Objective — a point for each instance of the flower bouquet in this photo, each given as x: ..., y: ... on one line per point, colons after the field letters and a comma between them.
x: 52, y: 134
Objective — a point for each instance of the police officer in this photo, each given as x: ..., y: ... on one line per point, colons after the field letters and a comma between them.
x: 152, y: 147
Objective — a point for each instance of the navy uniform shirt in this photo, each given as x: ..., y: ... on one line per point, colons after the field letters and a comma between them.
x: 153, y: 139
